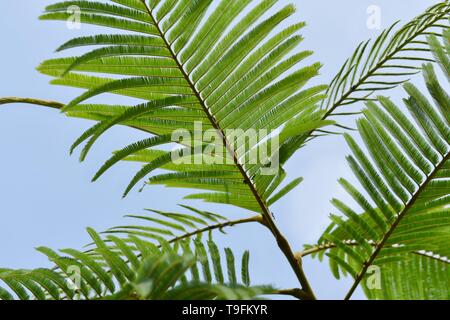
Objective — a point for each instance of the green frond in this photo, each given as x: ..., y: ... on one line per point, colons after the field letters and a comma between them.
x: 404, y: 174
x: 133, y: 269
x: 389, y: 61
x: 192, y: 66
x: 423, y: 277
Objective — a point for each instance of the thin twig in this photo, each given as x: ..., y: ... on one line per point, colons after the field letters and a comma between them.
x: 44, y: 103
x: 222, y: 225
x: 330, y: 245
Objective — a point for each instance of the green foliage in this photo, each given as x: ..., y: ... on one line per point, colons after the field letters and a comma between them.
x: 133, y: 268
x: 388, y: 62
x: 405, y: 175
x: 227, y: 65
x: 207, y: 72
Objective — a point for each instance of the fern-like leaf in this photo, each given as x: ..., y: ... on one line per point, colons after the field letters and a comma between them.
x: 406, y: 209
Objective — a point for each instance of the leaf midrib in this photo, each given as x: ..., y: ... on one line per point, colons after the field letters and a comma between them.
x: 267, y: 216
x: 211, y: 118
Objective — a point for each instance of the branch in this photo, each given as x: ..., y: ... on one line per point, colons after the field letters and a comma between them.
x: 381, y: 244
x: 47, y: 103
x: 296, y: 293
x: 221, y: 225
x: 330, y: 245
x: 409, y: 35
x: 229, y: 223
x: 44, y: 103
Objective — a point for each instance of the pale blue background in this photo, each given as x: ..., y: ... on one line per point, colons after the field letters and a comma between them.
x: 45, y: 195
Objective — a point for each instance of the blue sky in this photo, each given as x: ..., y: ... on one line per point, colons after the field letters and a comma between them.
x: 46, y: 197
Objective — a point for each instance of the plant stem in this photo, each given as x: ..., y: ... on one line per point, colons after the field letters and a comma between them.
x: 330, y: 245
x: 45, y: 103
x: 229, y: 223
x: 267, y: 216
